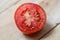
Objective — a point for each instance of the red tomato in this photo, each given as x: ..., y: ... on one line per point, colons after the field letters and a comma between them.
x: 30, y: 18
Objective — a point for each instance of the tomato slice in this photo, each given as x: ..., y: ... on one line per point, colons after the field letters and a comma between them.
x: 30, y: 18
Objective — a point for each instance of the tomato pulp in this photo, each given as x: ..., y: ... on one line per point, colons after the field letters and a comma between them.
x: 30, y: 18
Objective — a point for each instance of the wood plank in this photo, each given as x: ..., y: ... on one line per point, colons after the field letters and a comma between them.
x: 53, y: 35
x: 9, y: 31
x: 5, y: 4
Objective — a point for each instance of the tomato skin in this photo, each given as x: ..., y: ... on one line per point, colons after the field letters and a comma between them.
x: 32, y: 8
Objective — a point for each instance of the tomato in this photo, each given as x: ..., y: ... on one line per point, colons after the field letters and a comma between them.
x: 30, y: 18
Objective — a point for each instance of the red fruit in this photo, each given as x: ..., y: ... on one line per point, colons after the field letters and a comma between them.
x: 30, y: 18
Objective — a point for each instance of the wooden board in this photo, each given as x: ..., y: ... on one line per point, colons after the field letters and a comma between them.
x: 53, y: 35
x: 8, y: 29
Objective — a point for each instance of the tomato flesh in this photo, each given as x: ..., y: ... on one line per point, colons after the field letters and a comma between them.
x: 30, y: 18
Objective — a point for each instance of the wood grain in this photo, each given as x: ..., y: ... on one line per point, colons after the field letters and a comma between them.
x: 9, y: 31
x: 4, y: 5
x: 53, y: 35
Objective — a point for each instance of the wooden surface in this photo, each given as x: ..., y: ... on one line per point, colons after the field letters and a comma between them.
x: 9, y: 31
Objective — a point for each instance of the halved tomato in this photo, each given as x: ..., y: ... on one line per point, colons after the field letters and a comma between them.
x: 30, y: 18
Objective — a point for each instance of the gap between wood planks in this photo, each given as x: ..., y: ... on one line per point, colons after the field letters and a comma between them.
x: 49, y: 30
x: 10, y: 6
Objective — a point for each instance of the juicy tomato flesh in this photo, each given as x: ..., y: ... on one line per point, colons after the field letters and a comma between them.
x: 30, y: 18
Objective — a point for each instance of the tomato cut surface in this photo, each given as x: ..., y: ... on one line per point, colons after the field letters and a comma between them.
x: 30, y: 18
